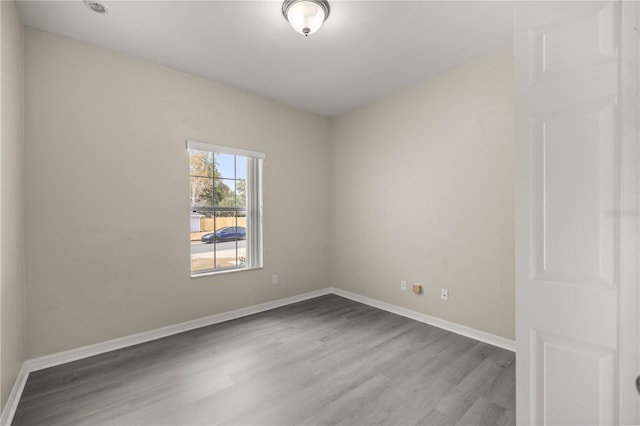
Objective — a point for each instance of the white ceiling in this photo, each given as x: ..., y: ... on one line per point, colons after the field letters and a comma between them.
x: 365, y: 49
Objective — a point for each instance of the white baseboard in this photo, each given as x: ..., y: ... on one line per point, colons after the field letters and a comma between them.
x: 482, y: 336
x: 147, y: 336
x: 14, y: 397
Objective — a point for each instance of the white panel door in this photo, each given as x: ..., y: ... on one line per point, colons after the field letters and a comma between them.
x: 568, y: 221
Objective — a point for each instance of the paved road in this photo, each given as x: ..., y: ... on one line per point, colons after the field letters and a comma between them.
x: 208, y: 248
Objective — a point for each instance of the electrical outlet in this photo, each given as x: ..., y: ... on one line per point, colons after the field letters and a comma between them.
x: 274, y: 279
x: 403, y: 285
x: 444, y: 294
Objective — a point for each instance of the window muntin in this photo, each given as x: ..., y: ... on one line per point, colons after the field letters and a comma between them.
x: 226, y: 208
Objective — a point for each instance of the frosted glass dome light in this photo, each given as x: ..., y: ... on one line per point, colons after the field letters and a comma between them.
x: 305, y: 16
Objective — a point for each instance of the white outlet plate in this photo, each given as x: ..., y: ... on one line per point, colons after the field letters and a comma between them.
x: 274, y: 279
x: 444, y: 294
x: 403, y: 285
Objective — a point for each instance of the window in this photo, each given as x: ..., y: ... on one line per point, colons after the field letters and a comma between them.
x: 226, y: 208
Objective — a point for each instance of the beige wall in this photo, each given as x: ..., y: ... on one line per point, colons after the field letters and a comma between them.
x: 107, y: 194
x: 12, y: 303
x: 422, y: 190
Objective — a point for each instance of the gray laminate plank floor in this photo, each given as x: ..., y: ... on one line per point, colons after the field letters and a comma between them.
x: 323, y: 361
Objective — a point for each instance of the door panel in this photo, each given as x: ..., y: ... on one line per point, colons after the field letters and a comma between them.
x: 574, y: 382
x: 574, y: 149
x: 573, y: 41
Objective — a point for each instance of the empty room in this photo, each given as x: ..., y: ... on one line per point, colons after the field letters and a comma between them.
x: 319, y: 212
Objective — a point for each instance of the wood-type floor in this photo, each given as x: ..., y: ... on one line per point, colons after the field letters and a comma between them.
x: 324, y: 361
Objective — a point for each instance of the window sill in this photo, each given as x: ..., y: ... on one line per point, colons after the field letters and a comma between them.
x: 223, y: 271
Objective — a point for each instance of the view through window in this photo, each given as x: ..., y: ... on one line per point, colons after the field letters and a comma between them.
x: 226, y: 207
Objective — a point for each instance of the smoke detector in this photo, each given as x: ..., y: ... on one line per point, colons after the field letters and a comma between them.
x: 96, y: 6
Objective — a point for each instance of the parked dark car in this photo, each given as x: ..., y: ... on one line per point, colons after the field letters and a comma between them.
x: 228, y: 233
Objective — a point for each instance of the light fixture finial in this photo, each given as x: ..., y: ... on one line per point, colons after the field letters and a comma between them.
x: 305, y: 16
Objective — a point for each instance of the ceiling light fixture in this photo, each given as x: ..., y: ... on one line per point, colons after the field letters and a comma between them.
x: 305, y: 16
x: 97, y: 7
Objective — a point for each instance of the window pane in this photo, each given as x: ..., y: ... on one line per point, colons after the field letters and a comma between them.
x: 201, y: 191
x: 201, y: 253
x: 201, y: 163
x: 225, y: 192
x: 241, y: 193
x: 225, y: 164
x: 241, y: 168
x: 241, y: 218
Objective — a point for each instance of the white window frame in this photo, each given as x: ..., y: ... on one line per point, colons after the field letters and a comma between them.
x: 254, y: 213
